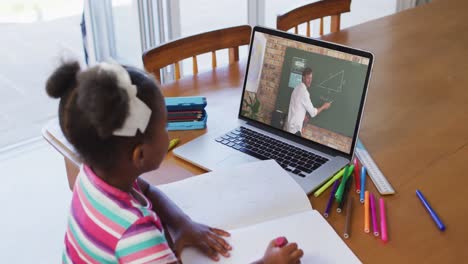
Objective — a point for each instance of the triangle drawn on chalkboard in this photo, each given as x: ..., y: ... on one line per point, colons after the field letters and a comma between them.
x: 334, y: 83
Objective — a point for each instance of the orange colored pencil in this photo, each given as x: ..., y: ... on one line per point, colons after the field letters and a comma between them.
x: 366, y: 212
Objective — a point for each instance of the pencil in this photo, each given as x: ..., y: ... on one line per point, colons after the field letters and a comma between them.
x: 173, y: 143
x: 339, y: 192
x: 375, y: 227
x: 363, y: 183
x: 330, y: 200
x: 345, y: 195
x: 431, y: 211
x: 366, y: 212
x: 329, y: 182
x: 357, y: 181
x: 383, y: 221
x: 347, y: 232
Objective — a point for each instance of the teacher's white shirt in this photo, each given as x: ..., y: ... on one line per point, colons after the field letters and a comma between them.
x: 298, y: 106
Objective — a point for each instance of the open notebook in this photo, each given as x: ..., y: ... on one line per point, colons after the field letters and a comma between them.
x: 257, y: 202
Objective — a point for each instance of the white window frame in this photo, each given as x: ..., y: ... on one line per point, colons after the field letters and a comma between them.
x: 256, y: 12
x: 159, y: 22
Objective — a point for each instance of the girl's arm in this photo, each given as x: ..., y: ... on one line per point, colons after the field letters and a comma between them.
x: 167, y: 210
x: 186, y: 232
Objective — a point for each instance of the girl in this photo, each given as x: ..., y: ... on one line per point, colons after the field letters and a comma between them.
x: 115, y: 117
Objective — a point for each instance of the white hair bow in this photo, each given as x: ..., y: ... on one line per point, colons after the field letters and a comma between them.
x: 138, y: 112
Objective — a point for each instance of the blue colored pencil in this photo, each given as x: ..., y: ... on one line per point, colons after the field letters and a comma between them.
x: 431, y: 211
x: 363, y: 183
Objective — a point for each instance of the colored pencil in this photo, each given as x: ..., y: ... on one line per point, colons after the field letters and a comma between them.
x: 329, y: 182
x: 375, y: 227
x: 383, y: 221
x: 173, y: 143
x: 330, y: 200
x: 357, y: 180
x: 347, y: 232
x: 431, y: 211
x: 366, y: 212
x: 341, y: 187
x: 345, y: 195
x: 363, y: 183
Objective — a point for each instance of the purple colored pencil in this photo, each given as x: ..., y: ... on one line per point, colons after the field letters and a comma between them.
x: 375, y: 227
x: 330, y: 200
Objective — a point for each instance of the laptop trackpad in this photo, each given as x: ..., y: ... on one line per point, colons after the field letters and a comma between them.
x: 235, y: 159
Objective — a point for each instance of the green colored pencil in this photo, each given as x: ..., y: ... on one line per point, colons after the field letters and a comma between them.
x: 340, y: 190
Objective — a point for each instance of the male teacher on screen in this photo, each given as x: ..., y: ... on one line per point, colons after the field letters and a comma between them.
x: 300, y: 104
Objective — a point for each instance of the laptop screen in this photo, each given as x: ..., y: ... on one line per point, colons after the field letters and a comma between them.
x: 305, y: 87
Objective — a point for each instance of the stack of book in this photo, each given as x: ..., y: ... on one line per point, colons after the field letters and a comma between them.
x: 186, y: 113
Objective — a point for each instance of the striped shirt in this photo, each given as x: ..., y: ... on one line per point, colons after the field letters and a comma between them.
x: 107, y: 225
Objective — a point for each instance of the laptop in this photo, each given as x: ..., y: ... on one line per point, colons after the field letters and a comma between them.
x: 301, y: 105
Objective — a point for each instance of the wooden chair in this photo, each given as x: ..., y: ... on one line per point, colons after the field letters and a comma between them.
x: 307, y: 13
x: 175, y: 51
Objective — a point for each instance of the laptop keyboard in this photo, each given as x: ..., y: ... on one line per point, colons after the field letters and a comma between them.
x: 291, y: 158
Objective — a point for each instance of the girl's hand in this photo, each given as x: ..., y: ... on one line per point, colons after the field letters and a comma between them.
x: 288, y: 254
x: 207, y: 239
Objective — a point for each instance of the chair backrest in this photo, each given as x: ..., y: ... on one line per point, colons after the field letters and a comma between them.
x: 175, y: 51
x: 317, y: 10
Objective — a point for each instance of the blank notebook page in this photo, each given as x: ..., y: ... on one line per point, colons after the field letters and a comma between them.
x: 313, y: 234
x: 241, y: 196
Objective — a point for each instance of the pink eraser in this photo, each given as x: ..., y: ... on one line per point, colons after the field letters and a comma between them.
x: 281, y: 241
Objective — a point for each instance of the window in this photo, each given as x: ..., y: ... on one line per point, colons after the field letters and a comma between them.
x: 35, y: 36
x: 126, y: 32
x: 197, y: 16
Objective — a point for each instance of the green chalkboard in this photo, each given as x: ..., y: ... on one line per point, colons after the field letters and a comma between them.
x: 334, y: 79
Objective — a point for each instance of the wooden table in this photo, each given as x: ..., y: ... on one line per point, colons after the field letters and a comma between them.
x: 415, y: 126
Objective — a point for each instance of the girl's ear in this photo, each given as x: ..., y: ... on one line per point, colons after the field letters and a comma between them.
x: 138, y: 157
